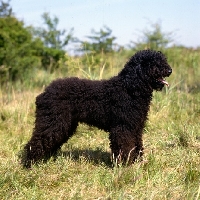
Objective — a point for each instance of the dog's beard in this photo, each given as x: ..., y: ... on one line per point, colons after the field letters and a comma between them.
x: 158, y: 84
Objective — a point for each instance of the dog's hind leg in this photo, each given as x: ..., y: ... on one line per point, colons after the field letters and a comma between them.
x: 44, y: 144
x: 53, y: 127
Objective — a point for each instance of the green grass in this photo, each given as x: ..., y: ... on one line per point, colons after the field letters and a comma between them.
x: 170, y: 168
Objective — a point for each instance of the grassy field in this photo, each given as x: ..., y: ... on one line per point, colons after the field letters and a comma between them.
x: 83, y: 170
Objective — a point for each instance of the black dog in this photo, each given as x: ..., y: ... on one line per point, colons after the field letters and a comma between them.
x: 119, y: 106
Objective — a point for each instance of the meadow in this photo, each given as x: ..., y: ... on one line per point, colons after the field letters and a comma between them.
x: 83, y: 170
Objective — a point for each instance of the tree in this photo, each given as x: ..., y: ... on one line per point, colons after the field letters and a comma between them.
x: 154, y: 39
x: 5, y: 9
x: 54, y: 41
x: 101, y: 41
x: 18, y: 50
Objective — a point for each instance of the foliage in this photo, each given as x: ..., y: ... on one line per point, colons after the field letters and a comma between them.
x: 18, y: 50
x: 154, y: 39
x: 5, y: 9
x: 100, y: 45
x: 52, y: 37
x: 54, y: 41
x: 101, y: 41
x: 23, y: 49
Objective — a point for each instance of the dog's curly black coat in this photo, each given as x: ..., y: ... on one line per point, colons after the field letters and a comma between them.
x: 119, y: 106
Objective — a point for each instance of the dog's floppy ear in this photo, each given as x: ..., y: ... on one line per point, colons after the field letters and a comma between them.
x: 138, y: 70
x: 129, y: 76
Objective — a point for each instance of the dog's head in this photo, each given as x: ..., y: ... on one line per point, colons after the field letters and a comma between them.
x: 152, y: 68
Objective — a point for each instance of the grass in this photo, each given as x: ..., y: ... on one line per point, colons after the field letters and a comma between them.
x: 170, y: 168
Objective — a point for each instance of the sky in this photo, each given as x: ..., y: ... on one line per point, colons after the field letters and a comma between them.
x: 126, y: 18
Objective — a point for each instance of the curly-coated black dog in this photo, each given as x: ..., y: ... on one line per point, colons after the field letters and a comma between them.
x: 119, y: 106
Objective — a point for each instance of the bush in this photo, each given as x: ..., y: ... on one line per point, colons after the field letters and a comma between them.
x: 18, y: 50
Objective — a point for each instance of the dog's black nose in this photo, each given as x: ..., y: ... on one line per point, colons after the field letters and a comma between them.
x: 169, y: 71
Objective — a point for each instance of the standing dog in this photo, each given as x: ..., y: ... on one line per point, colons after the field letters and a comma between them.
x: 119, y: 106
